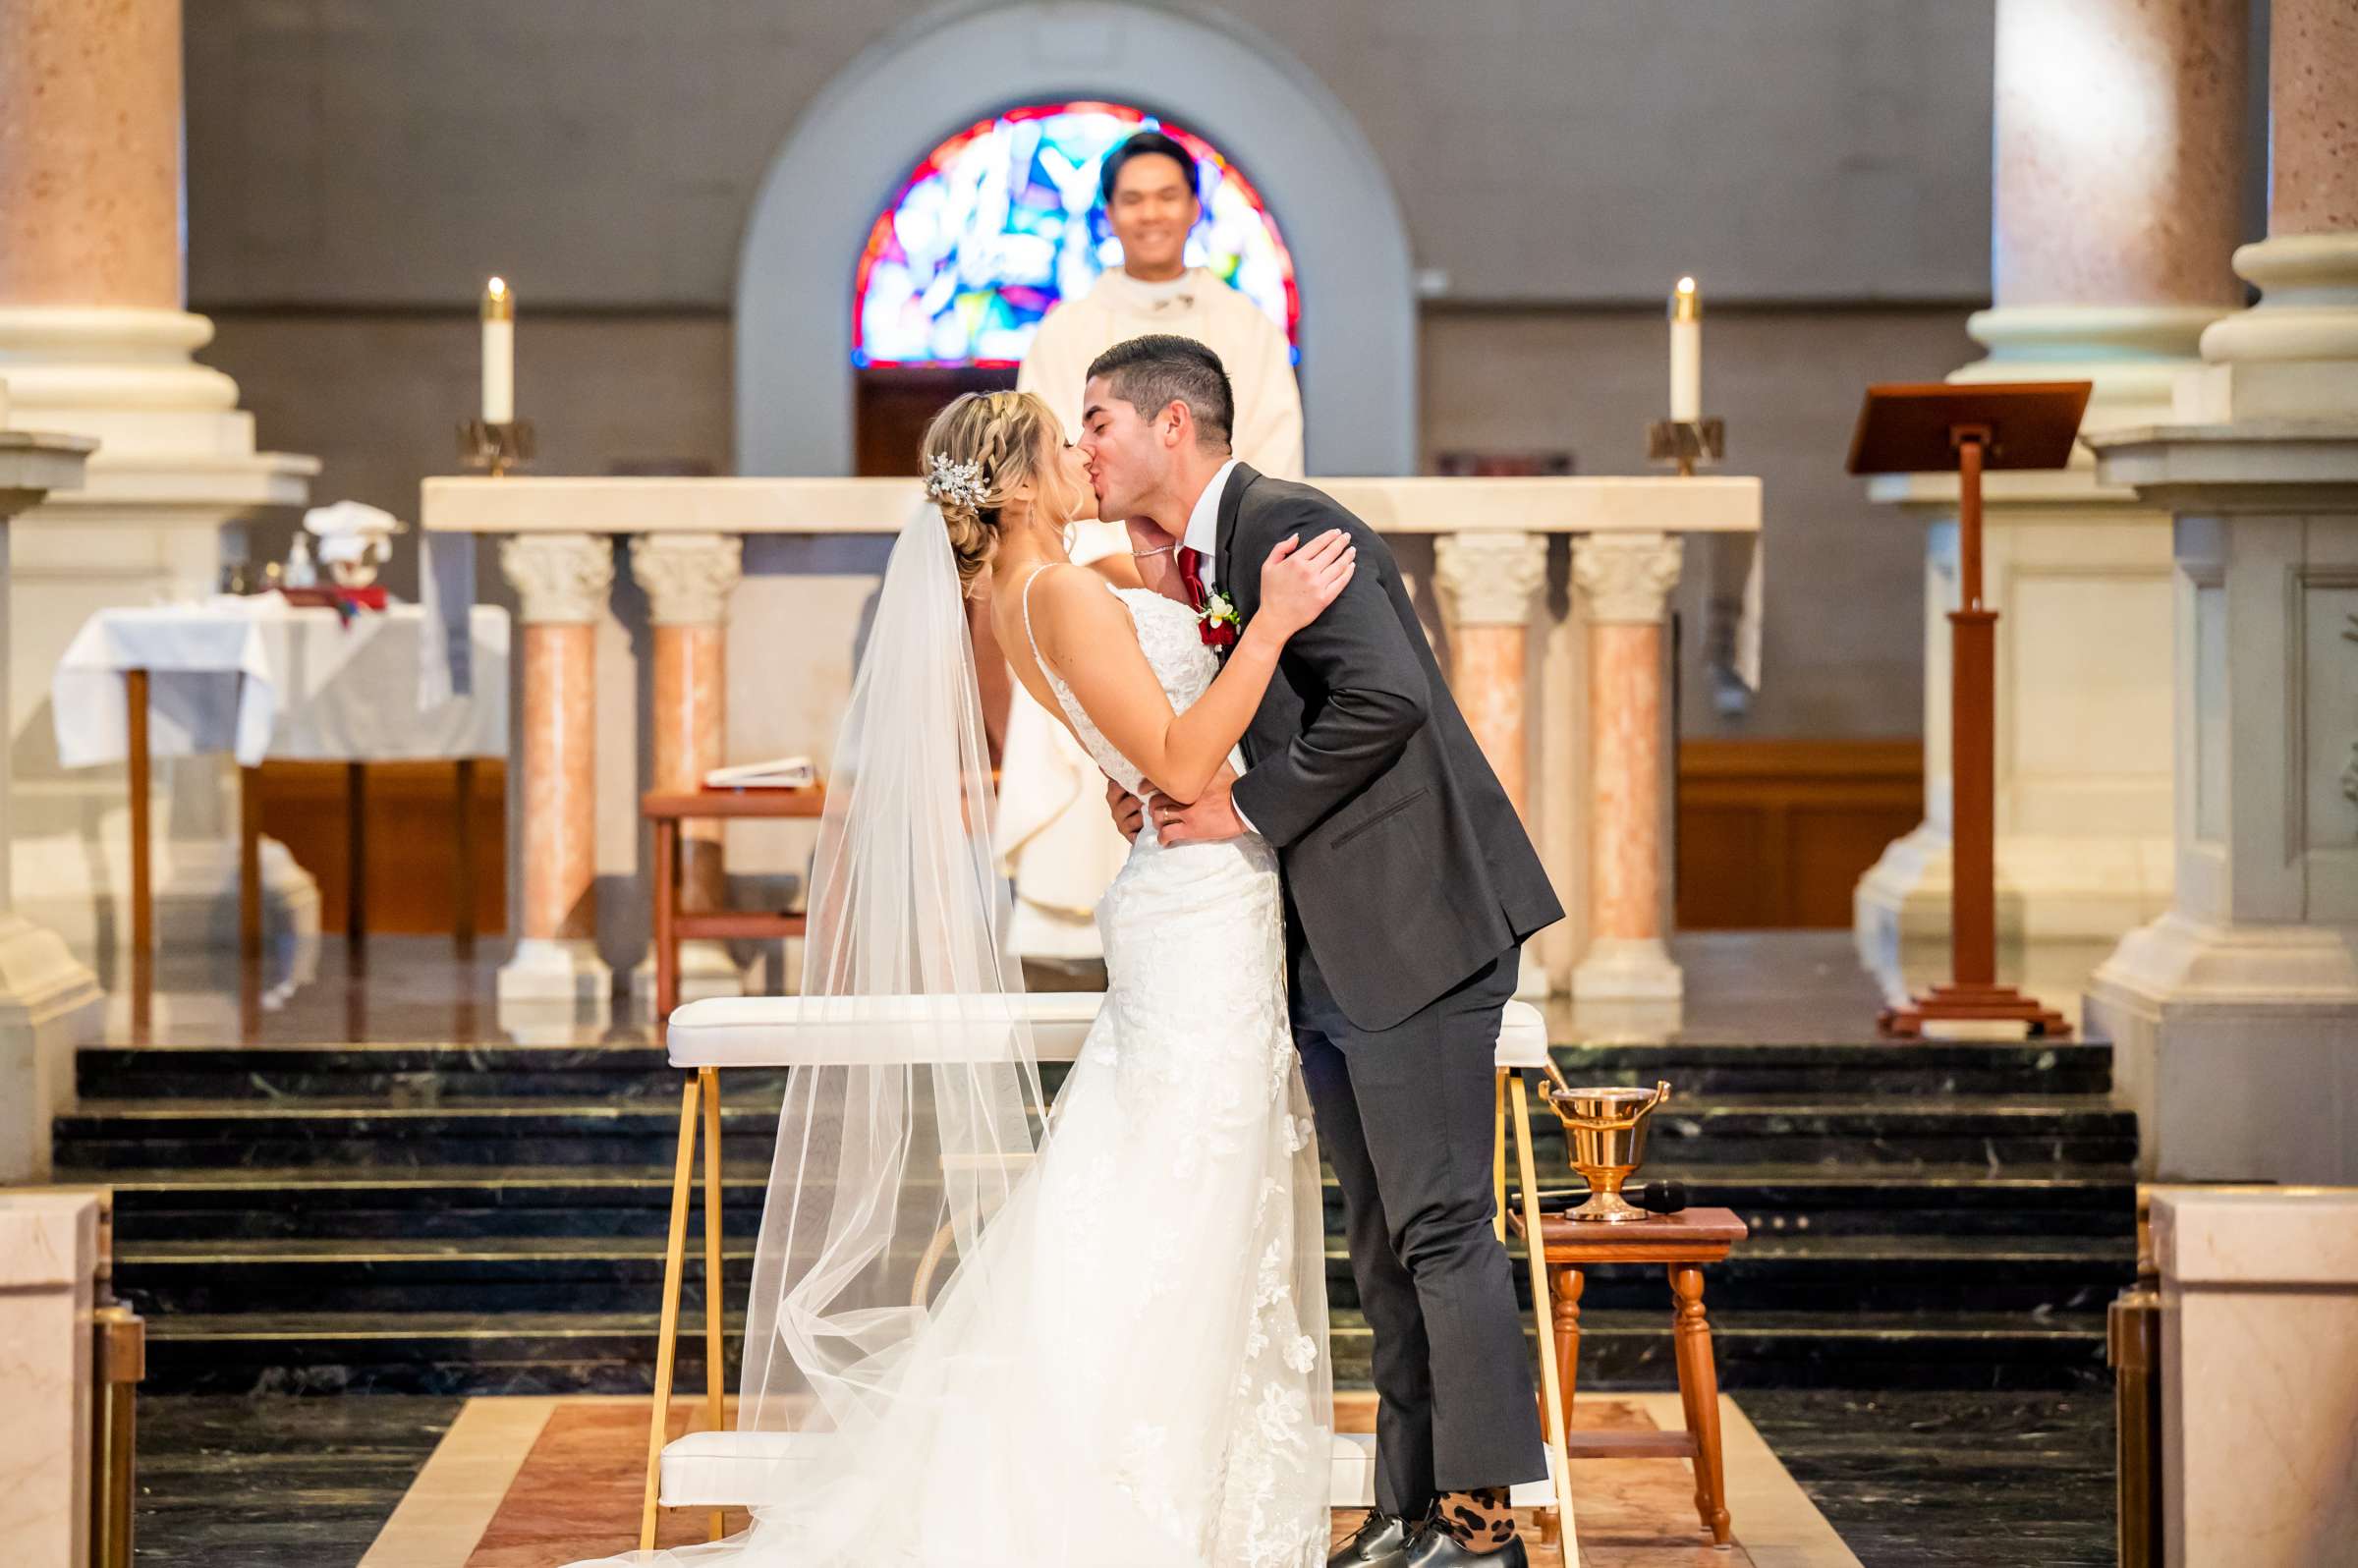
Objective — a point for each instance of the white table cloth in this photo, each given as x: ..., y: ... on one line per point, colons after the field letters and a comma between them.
x: 258, y: 677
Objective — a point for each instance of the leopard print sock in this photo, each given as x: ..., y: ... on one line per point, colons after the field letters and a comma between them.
x: 1478, y: 1520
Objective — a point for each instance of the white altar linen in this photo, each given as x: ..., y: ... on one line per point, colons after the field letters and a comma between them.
x: 257, y: 677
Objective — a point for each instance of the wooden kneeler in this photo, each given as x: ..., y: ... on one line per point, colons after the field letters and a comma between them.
x: 706, y: 1036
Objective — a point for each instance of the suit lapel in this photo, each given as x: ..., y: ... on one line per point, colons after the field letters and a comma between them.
x: 1232, y: 500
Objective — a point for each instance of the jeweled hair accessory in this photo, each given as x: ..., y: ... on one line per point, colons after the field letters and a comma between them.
x: 961, y: 482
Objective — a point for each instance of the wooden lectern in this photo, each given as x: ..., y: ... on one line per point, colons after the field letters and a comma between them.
x: 1967, y: 428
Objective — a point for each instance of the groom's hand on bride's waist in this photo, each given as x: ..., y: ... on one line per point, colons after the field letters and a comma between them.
x: 1129, y: 812
x: 1209, y: 818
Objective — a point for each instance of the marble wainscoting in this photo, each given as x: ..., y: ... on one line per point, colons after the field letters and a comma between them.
x: 49, y: 1263
x: 2259, y: 1374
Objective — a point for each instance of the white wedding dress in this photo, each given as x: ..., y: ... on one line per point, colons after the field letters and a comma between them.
x: 1132, y: 1372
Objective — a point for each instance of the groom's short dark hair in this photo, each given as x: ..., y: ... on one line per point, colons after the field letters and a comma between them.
x: 1152, y: 372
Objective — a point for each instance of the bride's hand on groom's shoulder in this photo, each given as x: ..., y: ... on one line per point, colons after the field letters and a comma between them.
x: 1300, y: 580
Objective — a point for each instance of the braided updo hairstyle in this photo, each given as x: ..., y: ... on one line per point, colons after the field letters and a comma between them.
x: 1003, y: 434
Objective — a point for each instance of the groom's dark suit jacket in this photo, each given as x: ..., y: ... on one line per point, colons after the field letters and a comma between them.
x: 1404, y: 861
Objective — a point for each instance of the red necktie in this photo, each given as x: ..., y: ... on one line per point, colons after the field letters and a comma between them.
x: 1215, y: 635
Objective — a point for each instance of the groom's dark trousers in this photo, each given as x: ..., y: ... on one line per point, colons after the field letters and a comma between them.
x: 1404, y: 1115
x: 1409, y: 886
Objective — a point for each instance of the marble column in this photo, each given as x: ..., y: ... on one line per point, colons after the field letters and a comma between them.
x: 50, y: 1001
x: 2117, y: 197
x: 1486, y: 580
x: 2295, y: 354
x: 562, y: 582
x: 48, y: 1289
x: 2234, y: 1016
x: 687, y: 579
x: 95, y: 339
x: 1625, y: 580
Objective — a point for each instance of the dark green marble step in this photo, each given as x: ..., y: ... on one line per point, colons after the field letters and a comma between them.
x: 1897, y: 1273
x: 522, y: 1353
x: 427, y: 1071
x: 484, y: 1200
x: 125, y: 1135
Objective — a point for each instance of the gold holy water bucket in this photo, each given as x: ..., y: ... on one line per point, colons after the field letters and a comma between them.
x: 1606, y: 1129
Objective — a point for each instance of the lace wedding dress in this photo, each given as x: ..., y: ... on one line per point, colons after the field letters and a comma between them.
x: 1133, y: 1369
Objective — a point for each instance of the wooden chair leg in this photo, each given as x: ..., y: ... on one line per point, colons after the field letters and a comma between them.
x: 1550, y: 1389
x: 1698, y: 1383
x: 1569, y: 1282
x: 675, y: 1265
x: 715, y: 1292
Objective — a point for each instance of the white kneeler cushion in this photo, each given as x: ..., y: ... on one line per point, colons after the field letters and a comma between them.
x: 735, y: 1468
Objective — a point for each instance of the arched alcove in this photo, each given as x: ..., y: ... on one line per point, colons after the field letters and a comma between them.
x: 842, y: 163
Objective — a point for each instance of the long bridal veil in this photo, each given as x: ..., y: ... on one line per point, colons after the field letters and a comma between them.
x: 891, y: 1158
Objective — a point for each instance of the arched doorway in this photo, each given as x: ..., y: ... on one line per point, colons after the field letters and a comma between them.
x: 796, y: 374
x: 995, y: 226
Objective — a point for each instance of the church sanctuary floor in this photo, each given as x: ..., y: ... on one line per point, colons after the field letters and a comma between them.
x: 1904, y: 1481
x: 348, y: 1214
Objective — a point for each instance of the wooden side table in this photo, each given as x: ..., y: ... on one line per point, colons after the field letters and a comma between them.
x: 1682, y: 1243
x: 665, y: 811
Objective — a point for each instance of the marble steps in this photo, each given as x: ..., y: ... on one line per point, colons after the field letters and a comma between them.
x: 613, y: 1352
x: 1864, y: 1130
x: 399, y: 1276
x: 494, y: 1201
x: 425, y: 1071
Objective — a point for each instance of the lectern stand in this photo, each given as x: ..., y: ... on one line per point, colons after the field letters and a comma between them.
x: 1968, y: 429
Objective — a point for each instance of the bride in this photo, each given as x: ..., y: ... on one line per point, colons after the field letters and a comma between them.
x: 1126, y: 1364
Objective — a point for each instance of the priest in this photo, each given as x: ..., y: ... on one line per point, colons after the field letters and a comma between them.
x: 1055, y: 840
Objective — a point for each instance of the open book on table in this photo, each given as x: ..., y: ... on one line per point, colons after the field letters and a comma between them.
x: 778, y: 773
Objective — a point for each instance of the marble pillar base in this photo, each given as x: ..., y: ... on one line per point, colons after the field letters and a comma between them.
x: 1627, y: 969
x: 2259, y: 1359
x: 2294, y: 355
x: 707, y: 969
x: 80, y: 890
x: 48, y: 1268
x: 558, y: 971
x: 2063, y: 906
x: 49, y: 1004
x: 2237, y: 1048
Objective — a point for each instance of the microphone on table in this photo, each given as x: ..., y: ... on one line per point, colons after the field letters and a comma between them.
x: 1656, y: 1197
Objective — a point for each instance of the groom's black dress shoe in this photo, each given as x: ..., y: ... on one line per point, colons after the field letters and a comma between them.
x: 1436, y: 1548
x: 1383, y: 1541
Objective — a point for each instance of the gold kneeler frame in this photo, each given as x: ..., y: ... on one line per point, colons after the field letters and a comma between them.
x: 704, y: 1086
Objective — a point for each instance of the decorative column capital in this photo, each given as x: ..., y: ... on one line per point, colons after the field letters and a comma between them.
x: 1487, y: 578
x: 562, y: 579
x: 1626, y: 578
x: 688, y: 577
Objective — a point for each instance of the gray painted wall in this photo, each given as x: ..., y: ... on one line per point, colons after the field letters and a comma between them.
x: 1566, y: 151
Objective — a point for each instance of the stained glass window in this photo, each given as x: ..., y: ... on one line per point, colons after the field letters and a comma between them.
x: 1003, y: 219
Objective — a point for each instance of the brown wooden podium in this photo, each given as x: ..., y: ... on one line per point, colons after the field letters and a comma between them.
x: 1966, y: 429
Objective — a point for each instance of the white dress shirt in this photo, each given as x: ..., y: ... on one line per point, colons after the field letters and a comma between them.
x: 1202, y: 536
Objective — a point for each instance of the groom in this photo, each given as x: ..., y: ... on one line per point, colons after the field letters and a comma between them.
x: 1409, y: 888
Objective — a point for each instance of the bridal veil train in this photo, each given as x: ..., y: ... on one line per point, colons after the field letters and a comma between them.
x: 1124, y: 1360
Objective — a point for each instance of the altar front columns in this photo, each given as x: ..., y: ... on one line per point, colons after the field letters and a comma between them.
x: 1625, y: 581
x: 687, y: 579
x: 2116, y: 196
x: 562, y: 582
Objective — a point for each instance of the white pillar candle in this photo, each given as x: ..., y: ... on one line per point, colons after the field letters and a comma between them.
x: 1686, y: 352
x: 499, y: 352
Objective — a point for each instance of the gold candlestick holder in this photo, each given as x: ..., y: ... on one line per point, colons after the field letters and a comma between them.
x: 495, y: 446
x: 1686, y: 444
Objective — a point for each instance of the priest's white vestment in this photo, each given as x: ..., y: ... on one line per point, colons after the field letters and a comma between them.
x: 1056, y: 840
